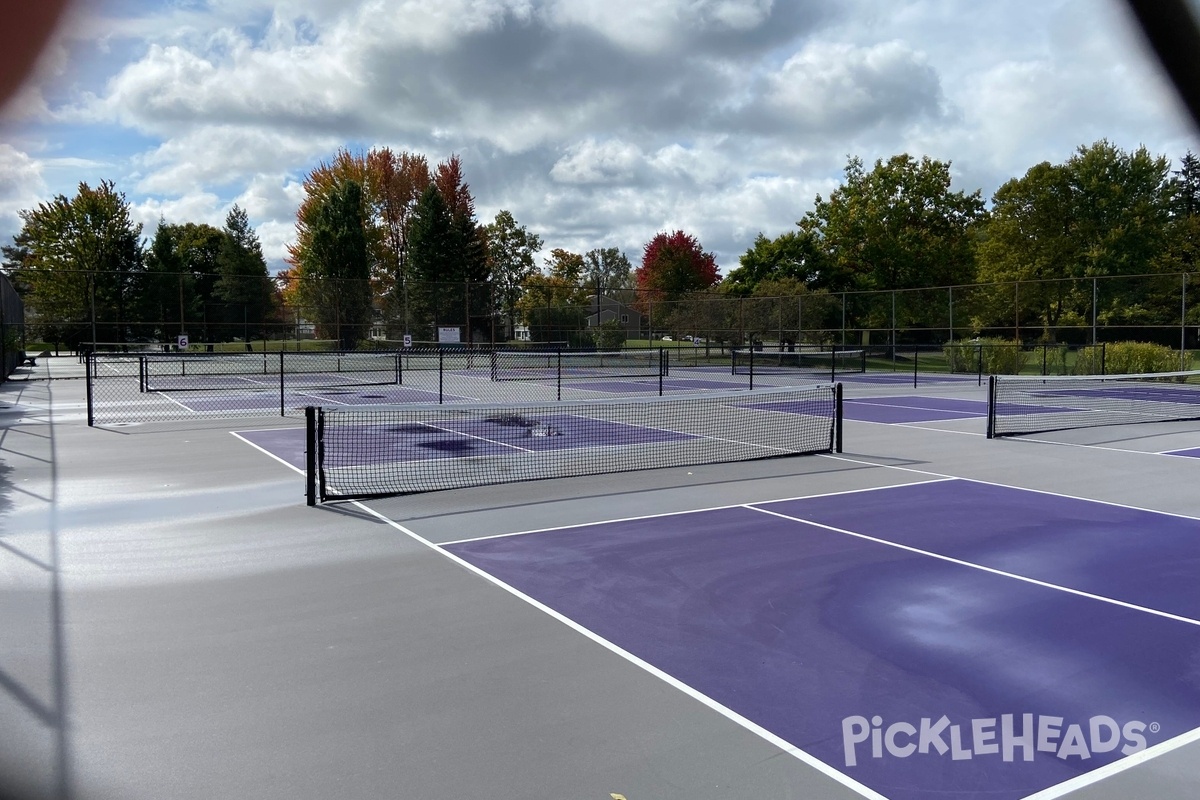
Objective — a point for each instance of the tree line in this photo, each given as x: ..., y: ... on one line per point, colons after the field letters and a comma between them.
x: 1053, y: 251
x: 388, y: 245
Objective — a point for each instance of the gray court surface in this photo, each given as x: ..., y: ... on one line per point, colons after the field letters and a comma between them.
x: 177, y: 623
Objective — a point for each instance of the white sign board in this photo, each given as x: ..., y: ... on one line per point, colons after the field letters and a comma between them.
x: 449, y: 335
x: 181, y: 342
x: 408, y: 340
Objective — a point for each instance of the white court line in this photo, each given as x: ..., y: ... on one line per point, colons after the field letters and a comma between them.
x: 1010, y: 486
x: 982, y: 568
x: 1019, y: 438
x: 967, y: 414
x: 690, y: 511
x: 1116, y: 767
x: 733, y: 716
x: 917, y: 425
x: 287, y: 464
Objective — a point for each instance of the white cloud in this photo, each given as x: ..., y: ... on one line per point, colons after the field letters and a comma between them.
x: 596, y: 122
x: 598, y: 162
x: 833, y: 87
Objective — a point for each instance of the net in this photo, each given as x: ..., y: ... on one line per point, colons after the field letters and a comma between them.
x: 1018, y: 404
x: 181, y: 372
x: 559, y: 365
x: 381, y: 451
x: 817, y: 362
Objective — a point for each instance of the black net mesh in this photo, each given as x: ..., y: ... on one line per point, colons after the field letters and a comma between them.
x: 812, y: 362
x: 381, y: 451
x: 181, y: 372
x: 1018, y: 404
x: 515, y: 366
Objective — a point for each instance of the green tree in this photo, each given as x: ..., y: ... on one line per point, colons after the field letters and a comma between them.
x: 1102, y: 214
x: 1186, y: 187
x: 511, y: 248
x: 608, y: 268
x: 898, y: 226
x: 198, y: 246
x: 796, y: 255
x: 163, y: 295
x: 83, y: 264
x: 335, y: 283
x: 244, y: 283
x: 469, y: 267
x: 1029, y: 237
x: 554, y: 303
x: 431, y: 257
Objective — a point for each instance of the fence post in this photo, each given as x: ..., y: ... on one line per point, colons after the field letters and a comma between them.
x: 1183, y: 324
x: 441, y: 371
x: 951, y: 315
x: 282, y: 385
x: 88, y: 373
x: 662, y: 368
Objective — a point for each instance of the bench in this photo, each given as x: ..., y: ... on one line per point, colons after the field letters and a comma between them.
x: 31, y: 361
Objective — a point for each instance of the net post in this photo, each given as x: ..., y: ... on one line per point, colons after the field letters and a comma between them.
x: 282, y: 390
x: 916, y: 357
x: 399, y: 379
x: 558, y: 373
x: 833, y: 365
x: 662, y: 367
x: 142, y: 374
x: 837, y: 418
x: 494, y: 358
x: 979, y: 365
x: 751, y: 363
x: 89, y: 372
x: 441, y: 372
x: 991, y: 408
x: 1103, y: 359
x: 310, y: 455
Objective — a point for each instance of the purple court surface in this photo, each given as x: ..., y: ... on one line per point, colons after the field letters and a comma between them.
x: 423, y: 441
x: 941, y: 639
x: 1191, y: 452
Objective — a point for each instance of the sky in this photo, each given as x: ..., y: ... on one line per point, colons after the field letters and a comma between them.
x: 597, y: 123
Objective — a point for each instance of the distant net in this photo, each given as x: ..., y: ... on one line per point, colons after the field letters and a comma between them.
x: 1019, y: 404
x: 181, y: 372
x: 561, y: 365
x: 820, y: 363
x: 361, y: 452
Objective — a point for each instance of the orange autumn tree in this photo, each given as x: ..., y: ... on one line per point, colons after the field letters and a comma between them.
x: 390, y: 183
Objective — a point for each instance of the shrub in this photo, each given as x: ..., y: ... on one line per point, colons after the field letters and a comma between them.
x: 1130, y: 358
x: 998, y: 356
x: 961, y: 356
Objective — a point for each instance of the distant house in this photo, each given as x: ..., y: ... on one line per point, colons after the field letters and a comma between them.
x: 608, y: 309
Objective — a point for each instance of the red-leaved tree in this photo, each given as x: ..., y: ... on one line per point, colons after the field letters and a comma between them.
x: 672, y: 265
